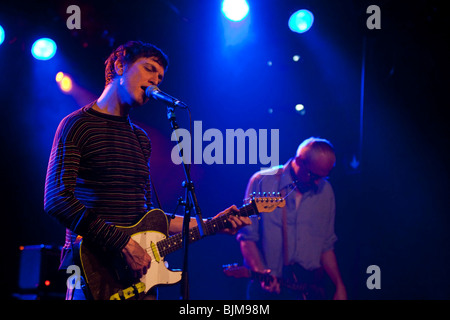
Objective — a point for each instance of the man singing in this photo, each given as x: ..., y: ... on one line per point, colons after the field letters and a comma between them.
x: 98, y: 171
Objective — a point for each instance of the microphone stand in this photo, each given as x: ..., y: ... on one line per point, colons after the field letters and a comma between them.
x: 190, y: 205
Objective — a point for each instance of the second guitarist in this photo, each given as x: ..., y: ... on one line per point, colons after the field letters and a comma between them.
x: 300, y: 235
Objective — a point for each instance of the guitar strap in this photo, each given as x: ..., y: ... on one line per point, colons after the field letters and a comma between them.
x: 295, y: 271
x: 284, y: 223
x: 285, y: 239
x: 298, y: 198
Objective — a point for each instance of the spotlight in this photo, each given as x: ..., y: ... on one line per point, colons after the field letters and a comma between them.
x: 2, y: 35
x: 64, y: 81
x: 300, y: 108
x: 59, y: 76
x: 235, y: 10
x: 66, y: 84
x: 43, y: 49
x: 301, y: 21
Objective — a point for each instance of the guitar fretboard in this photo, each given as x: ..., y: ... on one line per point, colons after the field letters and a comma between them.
x: 212, y: 226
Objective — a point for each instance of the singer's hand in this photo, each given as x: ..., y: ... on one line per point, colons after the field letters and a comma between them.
x: 236, y: 222
x: 137, y: 258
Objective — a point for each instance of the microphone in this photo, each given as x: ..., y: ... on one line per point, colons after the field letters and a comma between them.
x: 155, y: 93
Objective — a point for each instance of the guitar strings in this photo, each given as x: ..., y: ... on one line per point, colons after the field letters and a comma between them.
x: 292, y: 186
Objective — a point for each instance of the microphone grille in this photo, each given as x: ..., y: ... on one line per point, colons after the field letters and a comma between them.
x: 151, y: 89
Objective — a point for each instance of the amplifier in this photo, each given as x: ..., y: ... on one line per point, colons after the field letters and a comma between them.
x: 38, y: 271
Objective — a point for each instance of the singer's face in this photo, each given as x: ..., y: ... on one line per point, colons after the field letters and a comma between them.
x: 137, y: 77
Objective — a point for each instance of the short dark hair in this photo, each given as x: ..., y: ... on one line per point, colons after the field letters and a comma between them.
x: 129, y: 52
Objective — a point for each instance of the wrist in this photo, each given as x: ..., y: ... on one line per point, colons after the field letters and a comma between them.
x: 126, y: 247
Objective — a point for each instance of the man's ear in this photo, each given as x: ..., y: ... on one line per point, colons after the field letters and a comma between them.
x: 118, y: 67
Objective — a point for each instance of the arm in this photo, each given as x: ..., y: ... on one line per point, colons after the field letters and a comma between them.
x: 60, y: 202
x: 176, y: 224
x: 253, y: 258
x: 329, y: 263
x: 237, y: 222
x: 248, y: 238
x: 59, y: 197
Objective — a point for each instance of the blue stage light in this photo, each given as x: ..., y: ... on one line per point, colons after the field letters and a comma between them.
x: 235, y: 10
x: 43, y: 49
x: 2, y: 35
x: 301, y: 21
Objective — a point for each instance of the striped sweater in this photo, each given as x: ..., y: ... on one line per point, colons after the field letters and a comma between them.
x: 98, y: 176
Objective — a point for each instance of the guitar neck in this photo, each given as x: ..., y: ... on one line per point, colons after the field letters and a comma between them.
x: 212, y: 226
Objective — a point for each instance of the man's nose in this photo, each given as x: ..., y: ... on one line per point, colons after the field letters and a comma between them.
x: 154, y: 80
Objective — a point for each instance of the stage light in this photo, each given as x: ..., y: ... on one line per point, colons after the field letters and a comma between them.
x: 64, y: 81
x: 66, y: 84
x: 296, y: 58
x: 235, y: 10
x: 2, y: 35
x: 301, y: 21
x: 43, y: 49
x: 300, y: 108
x: 59, y: 76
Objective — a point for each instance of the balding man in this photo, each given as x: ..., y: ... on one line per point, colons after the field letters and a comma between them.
x: 295, y: 243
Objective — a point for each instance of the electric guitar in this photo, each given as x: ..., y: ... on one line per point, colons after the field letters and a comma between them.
x: 108, y: 276
x: 304, y: 290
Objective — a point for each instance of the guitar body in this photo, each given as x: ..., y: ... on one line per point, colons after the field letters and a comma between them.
x: 108, y: 276
x: 302, y: 287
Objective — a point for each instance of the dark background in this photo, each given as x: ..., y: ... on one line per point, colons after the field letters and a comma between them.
x: 391, y: 208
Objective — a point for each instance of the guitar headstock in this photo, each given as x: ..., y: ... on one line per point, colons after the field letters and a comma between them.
x: 266, y: 201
